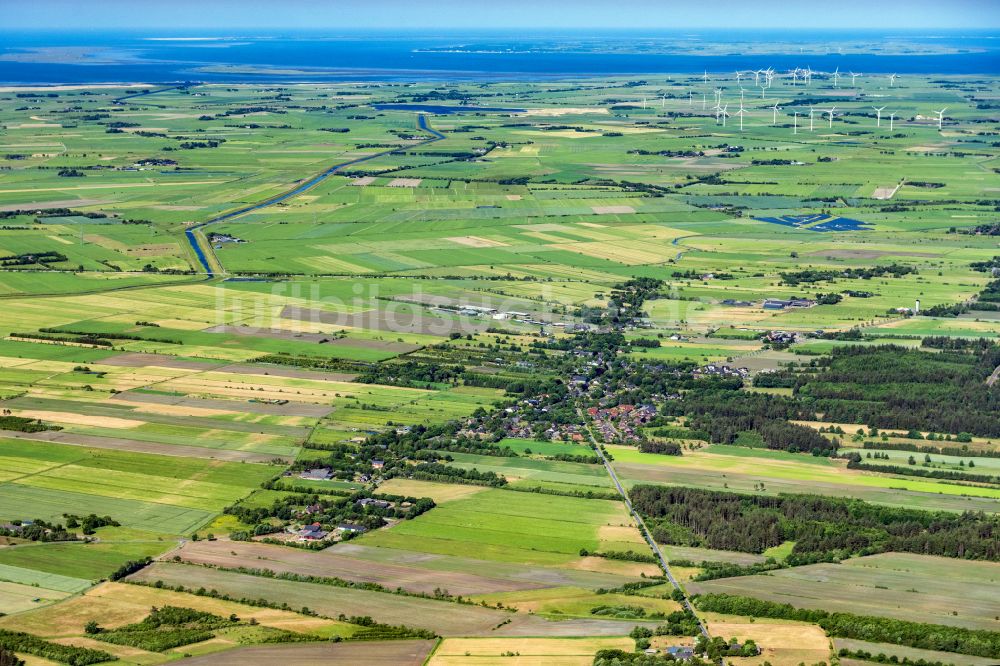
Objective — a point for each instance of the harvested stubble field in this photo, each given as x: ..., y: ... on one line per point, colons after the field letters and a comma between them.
x: 336, y: 562
x: 377, y: 653
x: 444, y: 617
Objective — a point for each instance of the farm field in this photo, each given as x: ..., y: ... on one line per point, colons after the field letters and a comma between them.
x: 531, y: 651
x: 509, y: 526
x: 904, y: 586
x: 475, y: 369
x: 387, y: 653
x: 728, y: 469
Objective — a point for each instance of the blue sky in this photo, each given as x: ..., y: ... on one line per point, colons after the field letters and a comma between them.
x: 340, y: 15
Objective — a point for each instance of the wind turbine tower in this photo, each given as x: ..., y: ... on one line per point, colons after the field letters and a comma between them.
x: 941, y: 117
x: 742, y: 112
x: 774, y: 116
x: 810, y: 119
x: 836, y: 78
x: 892, y: 117
x: 832, y: 109
x: 878, y: 114
x: 892, y: 80
x: 795, y: 125
x: 854, y: 78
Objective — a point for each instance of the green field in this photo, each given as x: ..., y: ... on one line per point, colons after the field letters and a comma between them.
x: 909, y: 587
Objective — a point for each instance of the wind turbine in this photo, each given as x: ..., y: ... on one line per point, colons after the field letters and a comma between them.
x: 941, y: 117
x: 892, y: 80
x: 725, y: 114
x: 892, y: 116
x: 643, y: 102
x: 741, y: 94
x: 739, y: 76
x: 774, y: 117
x: 832, y: 109
x: 854, y: 78
x: 663, y: 102
x: 742, y: 112
x: 705, y: 77
x: 836, y: 78
x: 718, y: 109
x: 878, y: 112
x: 810, y: 119
x: 795, y: 126
x: 690, y: 98
x: 756, y: 77
x: 704, y: 97
x: 809, y: 76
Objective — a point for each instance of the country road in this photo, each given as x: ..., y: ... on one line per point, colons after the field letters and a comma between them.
x: 203, y: 250
x: 642, y: 528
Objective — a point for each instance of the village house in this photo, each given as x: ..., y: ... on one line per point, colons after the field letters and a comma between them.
x: 352, y: 527
x: 313, y: 532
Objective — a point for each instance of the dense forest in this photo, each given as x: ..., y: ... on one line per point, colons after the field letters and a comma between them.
x: 897, y: 387
x: 724, y: 413
x: 823, y: 528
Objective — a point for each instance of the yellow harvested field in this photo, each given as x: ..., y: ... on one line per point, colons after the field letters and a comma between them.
x: 405, y: 182
x: 528, y: 651
x: 123, y: 652
x: 782, y: 644
x: 79, y: 419
x: 617, y: 567
x: 117, y: 604
x: 439, y: 492
x: 620, y: 534
x: 619, y: 253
